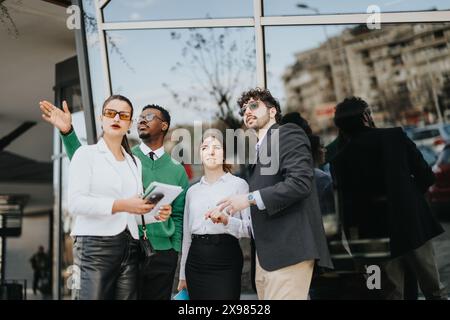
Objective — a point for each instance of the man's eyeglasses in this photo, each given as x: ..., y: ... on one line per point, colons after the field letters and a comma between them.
x: 252, y: 105
x: 149, y: 117
x: 123, y: 115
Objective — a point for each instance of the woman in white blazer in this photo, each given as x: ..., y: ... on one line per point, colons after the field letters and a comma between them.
x: 105, y: 185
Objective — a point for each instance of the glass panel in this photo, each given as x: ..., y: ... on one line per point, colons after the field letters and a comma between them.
x: 139, y: 10
x: 95, y: 66
x: 297, y: 8
x: 402, y: 71
x: 197, y: 73
x: 405, y: 66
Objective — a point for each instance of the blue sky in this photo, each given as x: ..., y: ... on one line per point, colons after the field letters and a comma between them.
x: 289, y: 7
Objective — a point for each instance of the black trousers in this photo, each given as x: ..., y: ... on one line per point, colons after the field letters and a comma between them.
x: 107, y: 266
x: 156, y: 280
x: 214, y: 267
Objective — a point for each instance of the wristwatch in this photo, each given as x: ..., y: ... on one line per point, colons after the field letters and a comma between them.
x: 251, y: 199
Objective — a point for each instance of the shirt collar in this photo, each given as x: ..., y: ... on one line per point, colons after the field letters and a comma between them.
x: 222, y: 178
x: 146, y: 150
x: 260, y: 141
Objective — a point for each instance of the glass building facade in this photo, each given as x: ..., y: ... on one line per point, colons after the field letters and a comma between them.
x: 196, y: 57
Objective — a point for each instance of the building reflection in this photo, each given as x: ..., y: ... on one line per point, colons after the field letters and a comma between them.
x: 403, y: 71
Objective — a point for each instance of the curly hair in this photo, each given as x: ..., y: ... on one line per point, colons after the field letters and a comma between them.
x: 264, y: 96
x: 295, y: 117
x: 348, y: 116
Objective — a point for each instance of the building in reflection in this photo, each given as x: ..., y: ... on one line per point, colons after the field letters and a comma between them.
x: 403, y: 71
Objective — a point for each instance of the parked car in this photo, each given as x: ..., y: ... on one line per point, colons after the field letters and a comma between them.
x: 428, y: 154
x: 434, y: 136
x: 408, y: 130
x: 439, y: 193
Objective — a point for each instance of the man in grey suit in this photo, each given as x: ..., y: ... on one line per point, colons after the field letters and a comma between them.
x: 287, y: 225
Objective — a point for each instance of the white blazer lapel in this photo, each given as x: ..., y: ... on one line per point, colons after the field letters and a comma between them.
x: 103, y: 148
x: 136, y: 169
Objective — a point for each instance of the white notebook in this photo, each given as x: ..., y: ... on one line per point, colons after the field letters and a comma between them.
x: 167, y: 194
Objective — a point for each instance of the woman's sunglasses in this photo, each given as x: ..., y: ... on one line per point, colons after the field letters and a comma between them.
x: 252, y: 105
x: 123, y: 115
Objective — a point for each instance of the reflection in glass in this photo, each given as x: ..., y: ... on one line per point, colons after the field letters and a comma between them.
x: 95, y: 65
x: 139, y: 10
x: 308, y: 7
x: 72, y: 94
x: 401, y: 70
x: 197, y: 74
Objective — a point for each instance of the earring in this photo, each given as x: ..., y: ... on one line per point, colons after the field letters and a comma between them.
x: 128, y: 131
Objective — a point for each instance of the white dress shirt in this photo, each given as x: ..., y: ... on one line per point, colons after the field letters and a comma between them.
x: 204, y: 196
x: 146, y: 150
x: 256, y: 194
x: 96, y: 180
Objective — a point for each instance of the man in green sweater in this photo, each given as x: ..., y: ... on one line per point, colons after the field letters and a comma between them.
x: 166, y: 237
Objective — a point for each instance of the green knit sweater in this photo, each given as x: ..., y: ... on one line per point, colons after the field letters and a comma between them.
x: 163, y: 235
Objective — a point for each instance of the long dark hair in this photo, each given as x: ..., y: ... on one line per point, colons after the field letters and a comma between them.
x: 124, y: 143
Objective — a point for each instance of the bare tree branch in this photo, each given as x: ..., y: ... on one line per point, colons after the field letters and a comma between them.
x: 7, y: 20
x: 217, y: 63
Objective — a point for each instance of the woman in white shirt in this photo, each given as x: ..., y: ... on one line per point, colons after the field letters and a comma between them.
x: 104, y: 187
x: 211, y: 261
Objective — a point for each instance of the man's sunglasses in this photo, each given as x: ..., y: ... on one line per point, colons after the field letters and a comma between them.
x: 149, y: 117
x: 252, y: 105
x: 123, y: 115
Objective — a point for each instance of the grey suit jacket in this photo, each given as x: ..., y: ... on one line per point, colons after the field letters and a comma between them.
x: 290, y: 229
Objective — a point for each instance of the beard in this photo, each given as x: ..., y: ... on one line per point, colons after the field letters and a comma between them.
x: 144, y: 135
x: 259, y: 122
x: 262, y: 121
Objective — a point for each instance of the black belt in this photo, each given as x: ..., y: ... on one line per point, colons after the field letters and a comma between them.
x: 214, y: 238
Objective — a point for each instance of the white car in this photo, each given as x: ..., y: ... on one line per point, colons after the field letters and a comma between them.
x: 434, y: 136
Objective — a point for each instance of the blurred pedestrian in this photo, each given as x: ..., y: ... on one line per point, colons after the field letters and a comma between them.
x: 40, y: 265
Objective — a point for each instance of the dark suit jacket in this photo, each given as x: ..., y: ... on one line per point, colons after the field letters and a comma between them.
x: 381, y: 179
x: 290, y: 229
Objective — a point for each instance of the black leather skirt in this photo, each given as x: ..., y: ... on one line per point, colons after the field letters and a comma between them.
x: 106, y: 267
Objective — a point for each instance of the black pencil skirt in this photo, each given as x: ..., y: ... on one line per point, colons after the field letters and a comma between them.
x: 214, y: 268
